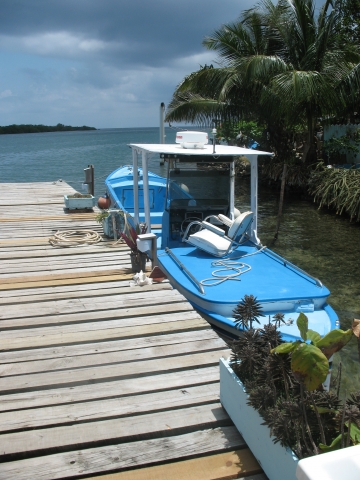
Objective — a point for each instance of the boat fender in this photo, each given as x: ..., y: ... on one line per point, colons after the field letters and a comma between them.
x: 104, y: 202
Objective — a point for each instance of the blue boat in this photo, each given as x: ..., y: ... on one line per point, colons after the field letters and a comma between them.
x: 120, y: 188
x: 211, y: 253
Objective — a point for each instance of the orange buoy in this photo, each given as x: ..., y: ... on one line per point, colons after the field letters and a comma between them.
x: 104, y: 202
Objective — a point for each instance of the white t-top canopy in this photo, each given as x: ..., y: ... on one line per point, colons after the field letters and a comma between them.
x: 220, y: 150
x: 147, y: 150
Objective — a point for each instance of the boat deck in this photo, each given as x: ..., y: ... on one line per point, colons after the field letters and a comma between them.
x: 218, y: 284
x: 99, y: 379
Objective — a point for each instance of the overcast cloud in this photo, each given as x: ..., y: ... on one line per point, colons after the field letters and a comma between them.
x: 104, y: 63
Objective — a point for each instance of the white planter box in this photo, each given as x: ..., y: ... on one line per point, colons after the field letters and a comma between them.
x: 277, y: 462
x: 79, y: 203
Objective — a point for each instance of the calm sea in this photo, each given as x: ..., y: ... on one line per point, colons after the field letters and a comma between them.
x: 46, y: 157
x: 325, y: 245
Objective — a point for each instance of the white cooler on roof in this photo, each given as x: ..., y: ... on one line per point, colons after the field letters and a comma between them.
x: 192, y: 139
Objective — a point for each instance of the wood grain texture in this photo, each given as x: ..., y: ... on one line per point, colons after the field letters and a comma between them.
x: 98, y: 378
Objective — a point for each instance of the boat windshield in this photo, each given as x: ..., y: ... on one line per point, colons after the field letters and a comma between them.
x: 198, y: 185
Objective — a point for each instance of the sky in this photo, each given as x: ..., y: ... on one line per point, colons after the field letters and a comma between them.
x: 102, y: 63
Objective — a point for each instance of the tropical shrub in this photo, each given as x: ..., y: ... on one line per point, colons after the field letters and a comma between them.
x: 284, y: 383
x: 337, y: 188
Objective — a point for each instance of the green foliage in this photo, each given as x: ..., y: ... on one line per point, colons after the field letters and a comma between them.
x: 349, y: 15
x: 41, y: 128
x: 303, y: 324
x: 337, y: 188
x: 309, y: 365
x: 335, y: 146
x: 247, y: 312
x: 281, y: 77
x: 309, y: 361
x: 229, y: 131
x: 304, y: 420
x: 101, y: 216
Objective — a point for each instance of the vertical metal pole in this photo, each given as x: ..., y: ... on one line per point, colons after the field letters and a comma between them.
x: 162, y: 124
x: 162, y: 127
x: 214, y: 138
x: 254, y: 196
x: 92, y: 180
x: 232, y: 189
x: 135, y: 186
x: 146, y: 191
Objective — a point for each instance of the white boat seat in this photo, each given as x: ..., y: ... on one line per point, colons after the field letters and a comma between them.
x: 213, y: 239
x: 225, y: 220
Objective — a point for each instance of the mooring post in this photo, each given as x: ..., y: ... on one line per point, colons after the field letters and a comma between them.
x: 89, y: 179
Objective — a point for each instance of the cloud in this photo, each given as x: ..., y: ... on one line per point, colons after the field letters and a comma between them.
x: 104, y: 63
x: 6, y: 93
x: 58, y: 44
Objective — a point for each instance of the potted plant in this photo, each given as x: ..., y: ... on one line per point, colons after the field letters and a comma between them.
x: 130, y: 235
x: 112, y: 221
x: 79, y: 201
x: 273, y: 393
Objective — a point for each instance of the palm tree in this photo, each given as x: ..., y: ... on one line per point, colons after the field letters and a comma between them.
x: 280, y: 64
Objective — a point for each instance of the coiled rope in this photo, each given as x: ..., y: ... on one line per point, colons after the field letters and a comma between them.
x: 74, y: 238
x: 229, y: 264
x: 238, y: 268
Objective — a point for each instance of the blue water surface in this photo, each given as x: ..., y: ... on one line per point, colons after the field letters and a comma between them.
x: 47, y: 157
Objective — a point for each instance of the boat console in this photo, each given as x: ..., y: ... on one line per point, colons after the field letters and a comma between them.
x: 193, y: 193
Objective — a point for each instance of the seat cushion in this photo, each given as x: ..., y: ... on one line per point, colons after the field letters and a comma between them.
x: 240, y: 225
x: 210, y: 242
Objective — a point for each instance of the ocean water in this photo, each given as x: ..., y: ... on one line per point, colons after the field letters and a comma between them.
x: 322, y: 243
x: 46, y: 157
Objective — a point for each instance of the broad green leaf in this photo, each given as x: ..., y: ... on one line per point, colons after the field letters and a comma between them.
x: 313, y: 336
x: 335, y: 445
x: 334, y: 341
x: 285, y: 347
x: 310, y: 365
x: 355, y: 434
x: 302, y: 323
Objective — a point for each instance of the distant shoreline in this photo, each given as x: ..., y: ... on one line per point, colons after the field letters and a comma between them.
x: 13, y: 129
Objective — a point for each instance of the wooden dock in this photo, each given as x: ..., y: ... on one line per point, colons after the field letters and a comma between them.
x: 100, y: 379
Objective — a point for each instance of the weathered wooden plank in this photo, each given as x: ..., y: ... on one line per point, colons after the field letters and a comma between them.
x: 61, y: 218
x: 83, y: 291
x: 100, y: 335
x: 60, y: 256
x: 86, y: 434
x: 15, y: 264
x: 70, y: 278
x: 91, y: 362
x: 92, y: 304
x: 66, y: 351
x: 60, y: 276
x: 103, y: 372
x: 109, y: 389
x: 91, y: 270
x: 116, y: 457
x: 109, y: 408
x: 21, y: 249
x: 173, y: 305
x: 221, y: 466
x: 93, y: 326
x: 197, y: 346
